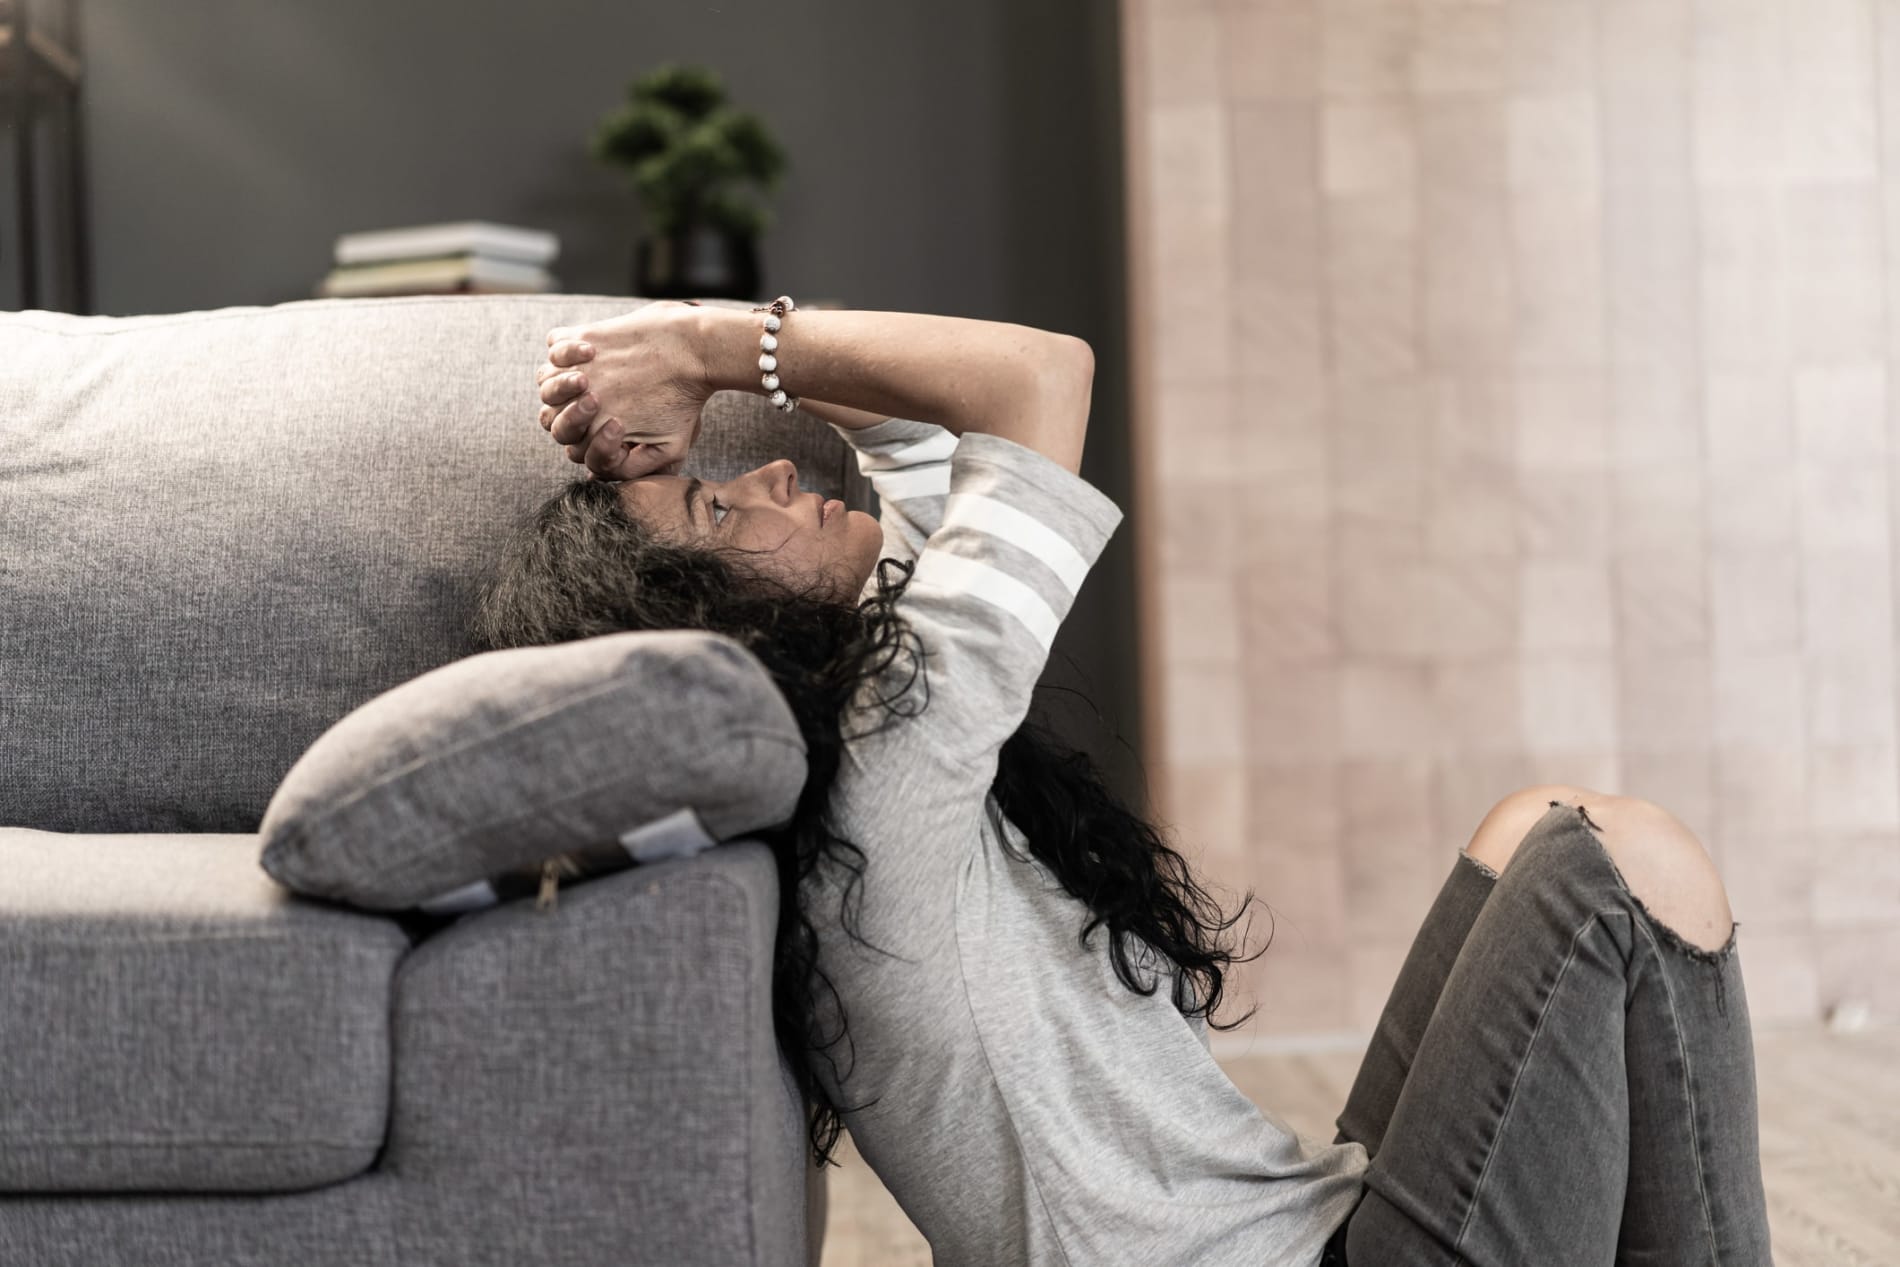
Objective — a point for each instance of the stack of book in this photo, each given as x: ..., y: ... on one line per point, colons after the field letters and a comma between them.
x: 471, y: 257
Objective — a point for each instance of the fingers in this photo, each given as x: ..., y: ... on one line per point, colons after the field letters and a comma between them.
x: 606, y: 448
x: 570, y: 352
x: 573, y: 423
x: 550, y: 413
x: 544, y: 371
x: 635, y: 462
x: 607, y: 461
x: 558, y: 389
x: 578, y: 440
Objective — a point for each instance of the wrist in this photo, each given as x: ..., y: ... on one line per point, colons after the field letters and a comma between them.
x: 726, y: 342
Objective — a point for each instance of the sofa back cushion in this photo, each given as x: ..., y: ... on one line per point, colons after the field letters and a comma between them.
x: 221, y: 531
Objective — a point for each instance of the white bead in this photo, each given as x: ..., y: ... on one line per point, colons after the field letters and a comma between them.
x: 778, y: 398
x: 771, y: 382
x: 768, y: 343
x: 768, y: 362
x: 771, y: 322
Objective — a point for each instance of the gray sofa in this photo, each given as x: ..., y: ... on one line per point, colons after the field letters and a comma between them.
x: 220, y: 532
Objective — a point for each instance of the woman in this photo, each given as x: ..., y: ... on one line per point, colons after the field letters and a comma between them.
x: 998, y: 977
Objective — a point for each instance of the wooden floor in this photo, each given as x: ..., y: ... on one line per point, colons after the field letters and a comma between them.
x: 1830, y: 1139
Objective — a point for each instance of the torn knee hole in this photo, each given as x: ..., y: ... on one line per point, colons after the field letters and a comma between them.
x: 1675, y: 939
x: 1582, y: 813
x: 1711, y: 959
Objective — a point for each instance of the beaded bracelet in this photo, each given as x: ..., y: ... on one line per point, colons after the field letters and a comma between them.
x: 768, y: 348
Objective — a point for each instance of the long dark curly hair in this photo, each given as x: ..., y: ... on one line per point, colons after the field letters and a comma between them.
x: 583, y: 566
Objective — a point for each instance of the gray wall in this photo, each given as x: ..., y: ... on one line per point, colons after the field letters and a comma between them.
x: 956, y: 158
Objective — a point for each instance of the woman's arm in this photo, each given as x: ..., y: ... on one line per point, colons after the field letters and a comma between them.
x: 1026, y: 385
x: 844, y: 415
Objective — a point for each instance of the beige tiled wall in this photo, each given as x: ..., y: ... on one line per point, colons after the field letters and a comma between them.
x: 1513, y: 404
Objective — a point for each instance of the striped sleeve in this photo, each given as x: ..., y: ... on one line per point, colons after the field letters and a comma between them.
x: 908, y: 464
x: 994, y: 581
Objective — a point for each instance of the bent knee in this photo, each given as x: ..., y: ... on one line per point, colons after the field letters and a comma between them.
x: 1661, y: 861
x: 1667, y: 868
x: 1510, y: 820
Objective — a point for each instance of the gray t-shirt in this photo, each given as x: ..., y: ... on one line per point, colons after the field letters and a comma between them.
x: 1020, y: 1102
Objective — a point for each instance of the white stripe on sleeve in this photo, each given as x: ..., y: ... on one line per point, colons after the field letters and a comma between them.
x: 924, y: 481
x: 937, y: 448
x: 953, y: 574
x: 1000, y: 519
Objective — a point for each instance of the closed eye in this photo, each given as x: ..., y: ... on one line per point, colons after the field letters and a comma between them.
x: 695, y: 491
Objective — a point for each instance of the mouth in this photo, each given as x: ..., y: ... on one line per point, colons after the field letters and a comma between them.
x: 828, y: 509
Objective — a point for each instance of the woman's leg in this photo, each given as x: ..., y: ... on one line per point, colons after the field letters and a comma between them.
x: 1434, y: 949
x: 1583, y: 1087
x: 1401, y: 1026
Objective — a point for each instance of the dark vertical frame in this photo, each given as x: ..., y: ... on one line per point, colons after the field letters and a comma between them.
x: 76, y: 168
x: 18, y: 76
x: 24, y: 78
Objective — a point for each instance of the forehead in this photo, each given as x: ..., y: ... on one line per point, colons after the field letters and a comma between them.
x: 656, y: 496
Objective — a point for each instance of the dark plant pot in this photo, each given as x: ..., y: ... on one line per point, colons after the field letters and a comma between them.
x: 699, y: 263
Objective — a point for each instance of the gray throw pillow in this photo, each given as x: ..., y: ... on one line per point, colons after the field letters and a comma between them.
x: 466, y: 785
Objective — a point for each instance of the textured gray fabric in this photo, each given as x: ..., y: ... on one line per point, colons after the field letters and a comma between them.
x: 221, y: 531
x: 594, y: 1085
x: 172, y: 1020
x: 505, y: 759
x: 344, y: 1225
x: 662, y: 1137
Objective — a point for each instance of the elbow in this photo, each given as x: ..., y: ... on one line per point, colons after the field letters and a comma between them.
x: 1077, y: 358
x: 1066, y: 369
x: 1067, y: 385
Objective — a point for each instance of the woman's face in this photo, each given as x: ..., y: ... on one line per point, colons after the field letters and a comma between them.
x: 763, y: 511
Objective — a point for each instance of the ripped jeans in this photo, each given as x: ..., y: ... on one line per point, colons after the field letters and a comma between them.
x: 1557, y: 1079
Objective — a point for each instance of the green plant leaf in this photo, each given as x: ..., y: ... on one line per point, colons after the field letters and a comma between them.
x: 692, y: 90
x: 690, y: 157
x: 636, y: 131
x: 759, y: 155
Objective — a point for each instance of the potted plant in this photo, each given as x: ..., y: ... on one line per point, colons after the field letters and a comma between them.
x: 692, y: 157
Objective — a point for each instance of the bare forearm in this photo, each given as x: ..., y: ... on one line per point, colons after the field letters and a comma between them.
x: 844, y: 415
x: 1027, y: 385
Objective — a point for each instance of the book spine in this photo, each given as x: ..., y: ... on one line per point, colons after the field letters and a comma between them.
x: 526, y: 246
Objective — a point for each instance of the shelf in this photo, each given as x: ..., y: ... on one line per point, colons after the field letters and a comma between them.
x: 50, y: 64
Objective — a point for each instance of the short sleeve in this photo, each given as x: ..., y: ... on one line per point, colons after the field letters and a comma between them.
x: 1017, y: 537
x: 908, y: 464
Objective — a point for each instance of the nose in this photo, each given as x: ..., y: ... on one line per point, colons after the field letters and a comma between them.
x: 779, y: 480
x: 775, y: 481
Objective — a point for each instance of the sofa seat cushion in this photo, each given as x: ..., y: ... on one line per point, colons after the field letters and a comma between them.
x: 172, y: 1020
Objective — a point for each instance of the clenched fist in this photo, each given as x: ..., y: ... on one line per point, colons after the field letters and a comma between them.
x: 625, y: 395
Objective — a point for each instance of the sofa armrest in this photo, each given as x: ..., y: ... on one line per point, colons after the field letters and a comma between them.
x: 601, y: 1082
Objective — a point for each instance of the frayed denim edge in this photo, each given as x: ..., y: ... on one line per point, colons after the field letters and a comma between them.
x: 1667, y: 935
x: 1479, y: 863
